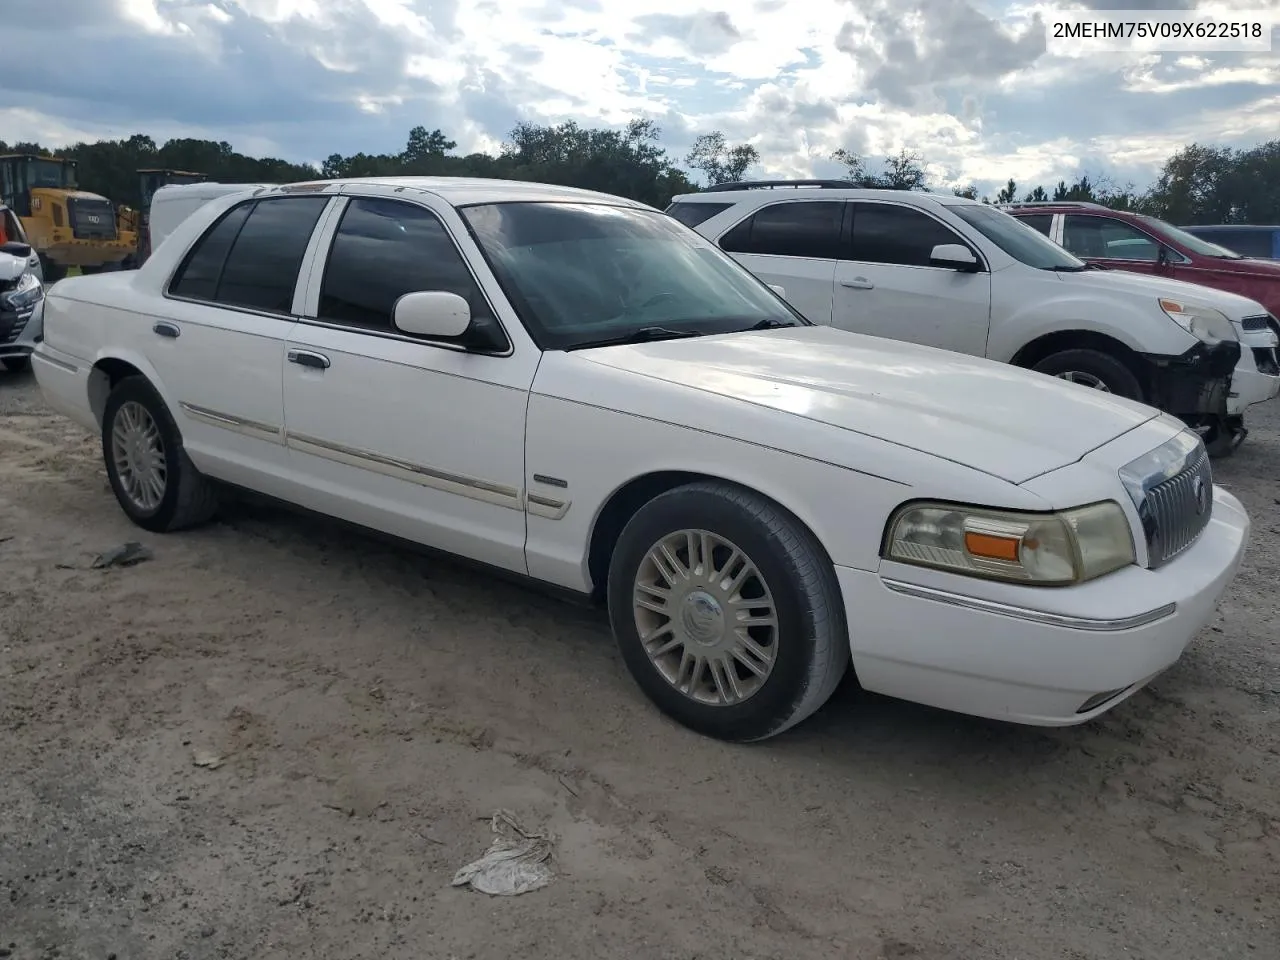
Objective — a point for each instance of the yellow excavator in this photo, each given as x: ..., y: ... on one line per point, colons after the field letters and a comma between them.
x: 67, y: 227
x: 137, y: 222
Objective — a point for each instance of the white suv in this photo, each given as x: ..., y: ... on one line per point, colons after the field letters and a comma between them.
x: 962, y: 275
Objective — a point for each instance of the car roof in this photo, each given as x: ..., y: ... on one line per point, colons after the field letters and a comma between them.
x: 1068, y: 206
x: 460, y: 191
x: 808, y: 192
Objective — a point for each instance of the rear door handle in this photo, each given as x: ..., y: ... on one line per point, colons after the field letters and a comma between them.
x: 305, y: 358
x: 165, y: 329
x: 858, y: 283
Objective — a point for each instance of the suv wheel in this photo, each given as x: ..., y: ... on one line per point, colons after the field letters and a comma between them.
x: 1093, y: 369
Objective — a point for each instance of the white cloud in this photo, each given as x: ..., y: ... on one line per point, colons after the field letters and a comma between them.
x: 968, y: 84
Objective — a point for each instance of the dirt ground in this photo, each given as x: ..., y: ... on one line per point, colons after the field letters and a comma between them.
x: 371, y: 708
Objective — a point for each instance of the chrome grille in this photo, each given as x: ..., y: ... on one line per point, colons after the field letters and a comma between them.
x: 1253, y: 324
x: 17, y: 323
x: 1172, y: 488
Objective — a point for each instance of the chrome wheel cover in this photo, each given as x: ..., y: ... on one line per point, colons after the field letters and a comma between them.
x: 706, y: 617
x: 137, y: 451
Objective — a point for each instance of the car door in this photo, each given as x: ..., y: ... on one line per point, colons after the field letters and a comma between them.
x: 793, y: 244
x: 219, y: 348
x: 886, y: 287
x: 423, y: 439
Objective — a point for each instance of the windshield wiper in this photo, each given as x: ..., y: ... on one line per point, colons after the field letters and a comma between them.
x: 639, y: 335
x: 1067, y: 269
x: 768, y: 323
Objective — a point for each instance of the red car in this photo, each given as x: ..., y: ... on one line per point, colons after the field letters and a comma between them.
x: 1142, y: 244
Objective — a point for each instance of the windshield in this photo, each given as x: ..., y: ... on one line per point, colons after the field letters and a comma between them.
x: 581, y: 273
x: 1190, y: 241
x: 51, y: 173
x: 1017, y: 239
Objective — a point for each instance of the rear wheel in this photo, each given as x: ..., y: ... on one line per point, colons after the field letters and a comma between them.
x: 1093, y: 369
x: 727, y: 612
x: 154, y: 480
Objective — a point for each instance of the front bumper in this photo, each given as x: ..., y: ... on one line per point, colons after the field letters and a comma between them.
x: 1256, y: 378
x: 1036, y: 655
x: 20, y: 331
x: 1196, y: 383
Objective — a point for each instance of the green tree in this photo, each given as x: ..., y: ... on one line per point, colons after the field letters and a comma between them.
x: 712, y: 156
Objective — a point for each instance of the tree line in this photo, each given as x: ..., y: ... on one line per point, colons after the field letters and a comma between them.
x: 1198, y: 184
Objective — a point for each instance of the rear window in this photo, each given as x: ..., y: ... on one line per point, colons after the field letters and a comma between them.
x: 695, y: 212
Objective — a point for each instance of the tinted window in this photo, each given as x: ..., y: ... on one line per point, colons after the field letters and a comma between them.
x: 252, y: 256
x: 1103, y: 237
x: 197, y: 278
x: 384, y: 249
x: 692, y: 214
x: 888, y: 233
x: 1043, y: 222
x: 262, y: 269
x: 798, y: 228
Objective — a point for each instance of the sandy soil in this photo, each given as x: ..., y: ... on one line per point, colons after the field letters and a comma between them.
x: 372, y: 707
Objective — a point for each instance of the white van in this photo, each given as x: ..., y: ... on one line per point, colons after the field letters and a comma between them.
x: 172, y: 204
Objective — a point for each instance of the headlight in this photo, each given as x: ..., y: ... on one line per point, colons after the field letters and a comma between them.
x: 1045, y: 549
x: 26, y: 292
x: 1203, y: 323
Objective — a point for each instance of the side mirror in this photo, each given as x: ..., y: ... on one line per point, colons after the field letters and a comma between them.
x: 779, y: 290
x: 432, y: 313
x: 16, y: 248
x: 955, y: 256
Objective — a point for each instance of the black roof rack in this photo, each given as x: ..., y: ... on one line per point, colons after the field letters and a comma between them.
x: 772, y: 184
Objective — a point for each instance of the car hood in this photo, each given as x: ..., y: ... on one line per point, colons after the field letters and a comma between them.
x: 990, y: 416
x: 1234, y: 306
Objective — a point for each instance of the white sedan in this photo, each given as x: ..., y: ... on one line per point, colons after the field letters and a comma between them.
x: 576, y: 388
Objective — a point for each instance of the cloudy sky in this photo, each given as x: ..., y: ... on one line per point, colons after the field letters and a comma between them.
x: 969, y: 84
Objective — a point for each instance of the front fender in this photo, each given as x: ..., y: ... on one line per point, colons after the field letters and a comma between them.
x: 1143, y: 329
x: 845, y: 509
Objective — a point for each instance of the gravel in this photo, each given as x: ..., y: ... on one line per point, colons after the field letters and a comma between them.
x: 370, y: 709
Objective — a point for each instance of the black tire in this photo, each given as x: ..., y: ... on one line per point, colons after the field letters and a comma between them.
x: 188, y: 499
x: 91, y: 270
x: 1119, y: 379
x: 812, y: 647
x: 16, y: 364
x: 52, y: 272
x: 1225, y: 437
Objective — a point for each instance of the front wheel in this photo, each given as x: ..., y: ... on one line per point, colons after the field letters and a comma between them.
x: 154, y: 480
x: 1094, y: 369
x: 727, y: 612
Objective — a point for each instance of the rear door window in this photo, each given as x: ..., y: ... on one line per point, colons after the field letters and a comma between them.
x: 252, y: 256
x: 793, y: 228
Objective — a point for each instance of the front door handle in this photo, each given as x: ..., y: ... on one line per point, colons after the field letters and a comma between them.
x: 858, y: 283
x: 305, y: 358
x: 165, y: 329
